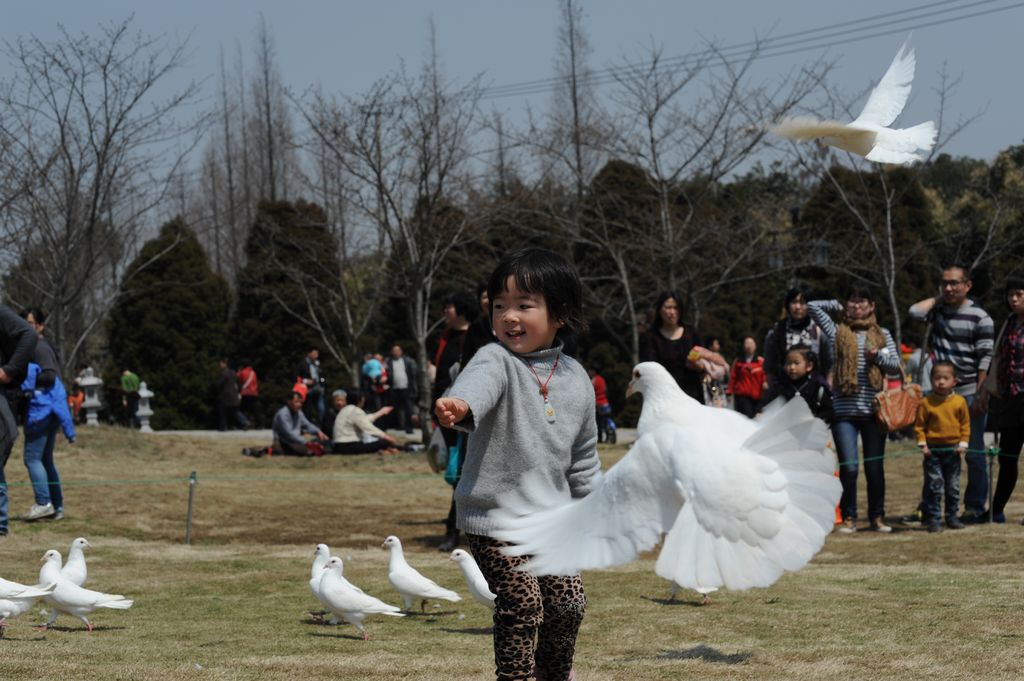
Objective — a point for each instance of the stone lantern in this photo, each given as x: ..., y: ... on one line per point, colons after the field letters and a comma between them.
x: 144, y: 412
x: 91, y: 385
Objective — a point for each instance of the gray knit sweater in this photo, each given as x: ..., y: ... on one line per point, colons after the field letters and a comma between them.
x: 510, y: 433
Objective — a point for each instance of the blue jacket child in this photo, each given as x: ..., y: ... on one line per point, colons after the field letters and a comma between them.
x: 43, y: 403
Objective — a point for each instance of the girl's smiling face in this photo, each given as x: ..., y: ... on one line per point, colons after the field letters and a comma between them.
x: 522, y: 320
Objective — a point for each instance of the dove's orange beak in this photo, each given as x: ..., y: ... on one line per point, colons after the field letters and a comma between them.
x: 629, y: 390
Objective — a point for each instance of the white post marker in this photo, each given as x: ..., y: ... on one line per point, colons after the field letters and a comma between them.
x: 144, y: 412
x: 91, y: 385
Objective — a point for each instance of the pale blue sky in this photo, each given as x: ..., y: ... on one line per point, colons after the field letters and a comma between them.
x: 345, y: 46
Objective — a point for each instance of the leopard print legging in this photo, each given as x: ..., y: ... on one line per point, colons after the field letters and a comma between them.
x: 528, y: 608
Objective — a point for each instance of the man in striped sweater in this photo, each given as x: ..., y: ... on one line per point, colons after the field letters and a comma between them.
x: 962, y: 333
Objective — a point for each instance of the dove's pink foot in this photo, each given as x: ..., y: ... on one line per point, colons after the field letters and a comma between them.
x: 706, y: 600
x: 41, y: 627
x: 366, y: 637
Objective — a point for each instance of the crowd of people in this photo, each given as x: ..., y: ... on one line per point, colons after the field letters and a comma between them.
x: 836, y: 355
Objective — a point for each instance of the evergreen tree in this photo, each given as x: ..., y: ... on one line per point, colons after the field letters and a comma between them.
x: 170, y: 325
x: 289, y: 255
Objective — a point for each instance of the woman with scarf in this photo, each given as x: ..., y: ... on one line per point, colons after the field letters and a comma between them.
x: 864, y: 354
x: 796, y: 328
x: 1008, y: 367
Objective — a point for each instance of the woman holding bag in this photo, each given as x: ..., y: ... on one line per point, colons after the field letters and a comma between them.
x: 864, y: 353
x: 1006, y: 382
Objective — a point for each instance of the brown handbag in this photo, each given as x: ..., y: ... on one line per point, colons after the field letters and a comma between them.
x: 896, y: 408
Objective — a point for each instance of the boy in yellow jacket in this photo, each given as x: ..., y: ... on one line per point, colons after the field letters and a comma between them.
x: 943, y: 429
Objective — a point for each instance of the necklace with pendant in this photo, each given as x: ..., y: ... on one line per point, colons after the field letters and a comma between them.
x: 549, y: 410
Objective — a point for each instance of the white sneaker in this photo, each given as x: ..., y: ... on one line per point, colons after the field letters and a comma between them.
x: 38, y: 512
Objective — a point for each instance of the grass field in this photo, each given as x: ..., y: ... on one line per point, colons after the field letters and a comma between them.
x: 234, y: 604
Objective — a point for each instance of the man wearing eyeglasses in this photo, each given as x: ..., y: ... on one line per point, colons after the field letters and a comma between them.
x: 963, y: 333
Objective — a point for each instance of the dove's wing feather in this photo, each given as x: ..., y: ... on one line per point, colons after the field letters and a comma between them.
x: 632, y: 505
x: 809, y: 128
x: 889, y: 97
x: 339, y: 596
x: 74, y: 599
x: 409, y: 581
x: 853, y: 137
x: 10, y: 589
x: 779, y: 511
x: 904, y: 146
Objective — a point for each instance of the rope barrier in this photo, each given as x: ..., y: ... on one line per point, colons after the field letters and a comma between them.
x: 993, y: 452
x: 237, y: 478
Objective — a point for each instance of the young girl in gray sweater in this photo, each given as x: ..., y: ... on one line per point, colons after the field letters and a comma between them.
x: 528, y: 408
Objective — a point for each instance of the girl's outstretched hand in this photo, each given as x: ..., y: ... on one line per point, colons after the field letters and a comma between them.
x: 450, y: 410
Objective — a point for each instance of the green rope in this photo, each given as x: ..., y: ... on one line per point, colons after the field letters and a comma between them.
x: 236, y: 478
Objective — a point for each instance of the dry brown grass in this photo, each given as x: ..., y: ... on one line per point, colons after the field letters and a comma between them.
x: 905, y: 606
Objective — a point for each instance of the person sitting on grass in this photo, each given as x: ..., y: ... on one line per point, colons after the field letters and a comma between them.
x: 353, y: 424
x: 943, y: 429
x: 802, y: 378
x: 289, y: 427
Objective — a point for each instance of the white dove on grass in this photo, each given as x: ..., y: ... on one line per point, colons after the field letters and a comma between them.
x: 349, y: 602
x: 71, y: 599
x: 17, y: 599
x: 74, y: 570
x: 410, y: 583
x: 870, y: 135
x: 479, y: 589
x: 321, y: 555
x: 738, y: 511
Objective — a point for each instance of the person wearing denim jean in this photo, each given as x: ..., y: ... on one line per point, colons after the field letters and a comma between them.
x: 963, y: 334
x: 864, y: 354
x: 47, y: 411
x: 17, y: 346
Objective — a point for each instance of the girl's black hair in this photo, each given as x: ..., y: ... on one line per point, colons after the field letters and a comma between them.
x: 465, y: 306
x: 860, y: 292
x: 798, y: 291
x: 662, y: 297
x: 353, y: 395
x: 1014, y: 282
x: 545, y: 273
x: 36, y: 313
x: 810, y: 356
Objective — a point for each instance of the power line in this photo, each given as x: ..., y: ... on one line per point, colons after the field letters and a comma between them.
x: 695, y: 56
x: 737, y: 53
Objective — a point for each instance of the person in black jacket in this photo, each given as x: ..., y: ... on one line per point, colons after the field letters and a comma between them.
x: 17, y: 347
x: 801, y: 377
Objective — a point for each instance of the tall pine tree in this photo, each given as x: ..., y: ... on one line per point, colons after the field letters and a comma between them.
x: 170, y: 326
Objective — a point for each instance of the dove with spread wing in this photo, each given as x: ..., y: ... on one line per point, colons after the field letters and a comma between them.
x: 870, y: 135
x: 736, y: 509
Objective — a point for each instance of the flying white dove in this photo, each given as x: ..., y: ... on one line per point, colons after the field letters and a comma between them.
x: 475, y: 581
x: 738, y: 511
x: 665, y: 402
x: 410, y: 583
x: 16, y: 599
x: 349, y: 602
x: 71, y: 599
x: 74, y: 570
x: 870, y: 135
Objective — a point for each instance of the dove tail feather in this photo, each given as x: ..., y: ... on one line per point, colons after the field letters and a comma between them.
x: 122, y: 604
